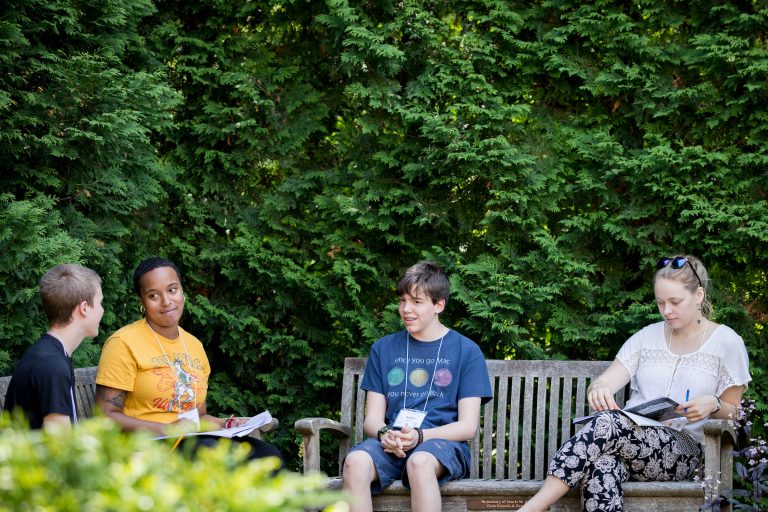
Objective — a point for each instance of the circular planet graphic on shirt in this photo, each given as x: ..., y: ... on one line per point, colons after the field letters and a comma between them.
x: 443, y: 377
x: 419, y: 377
x: 395, y: 376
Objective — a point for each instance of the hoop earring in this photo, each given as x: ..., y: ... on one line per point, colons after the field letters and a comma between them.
x: 142, y: 309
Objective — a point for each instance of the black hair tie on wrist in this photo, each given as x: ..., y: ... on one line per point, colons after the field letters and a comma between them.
x: 719, y: 405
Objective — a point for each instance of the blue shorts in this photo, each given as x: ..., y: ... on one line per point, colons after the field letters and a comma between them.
x: 453, y: 455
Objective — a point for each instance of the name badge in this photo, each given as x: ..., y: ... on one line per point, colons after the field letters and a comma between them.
x: 409, y: 417
x: 191, y: 415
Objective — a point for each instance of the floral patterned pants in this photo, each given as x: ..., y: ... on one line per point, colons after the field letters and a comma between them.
x: 612, y: 449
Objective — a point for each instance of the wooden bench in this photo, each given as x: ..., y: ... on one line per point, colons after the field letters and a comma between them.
x: 85, y: 392
x: 520, y: 430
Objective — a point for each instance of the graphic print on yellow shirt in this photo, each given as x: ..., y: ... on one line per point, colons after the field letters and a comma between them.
x: 160, y: 376
x: 184, y: 385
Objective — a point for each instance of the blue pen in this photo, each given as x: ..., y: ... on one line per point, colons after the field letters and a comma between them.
x: 687, y: 396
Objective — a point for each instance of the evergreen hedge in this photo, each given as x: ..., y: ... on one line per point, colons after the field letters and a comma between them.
x: 294, y: 157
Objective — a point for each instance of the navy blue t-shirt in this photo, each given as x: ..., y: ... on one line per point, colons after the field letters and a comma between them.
x: 461, y: 372
x: 43, y: 382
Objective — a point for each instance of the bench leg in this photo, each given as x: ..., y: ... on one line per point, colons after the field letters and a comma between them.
x: 311, y: 447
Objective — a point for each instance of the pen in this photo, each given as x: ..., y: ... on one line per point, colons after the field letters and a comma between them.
x: 228, y: 423
x: 687, y: 396
x: 177, y: 442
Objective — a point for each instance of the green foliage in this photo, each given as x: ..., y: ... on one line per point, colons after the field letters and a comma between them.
x: 294, y: 157
x: 31, y: 239
x: 96, y: 467
x: 77, y: 162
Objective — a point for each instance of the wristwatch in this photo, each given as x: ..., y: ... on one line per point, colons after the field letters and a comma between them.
x: 383, y: 430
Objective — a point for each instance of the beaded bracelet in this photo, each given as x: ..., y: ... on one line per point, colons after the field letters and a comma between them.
x: 421, y: 436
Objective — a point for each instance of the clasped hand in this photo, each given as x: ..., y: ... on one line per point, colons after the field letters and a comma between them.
x: 398, y: 442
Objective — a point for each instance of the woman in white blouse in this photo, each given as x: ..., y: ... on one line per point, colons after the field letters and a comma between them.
x: 700, y: 364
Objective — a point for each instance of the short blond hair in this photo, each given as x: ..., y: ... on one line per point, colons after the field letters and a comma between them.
x: 65, y: 286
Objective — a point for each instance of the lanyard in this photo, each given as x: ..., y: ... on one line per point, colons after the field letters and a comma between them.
x: 168, y: 359
x: 74, y: 407
x: 408, y: 359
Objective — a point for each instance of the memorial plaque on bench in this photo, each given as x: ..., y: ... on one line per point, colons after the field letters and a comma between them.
x: 510, y: 503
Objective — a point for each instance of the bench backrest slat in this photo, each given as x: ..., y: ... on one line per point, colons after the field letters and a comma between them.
x: 359, y: 412
x: 487, y: 447
x: 85, y: 387
x: 502, y: 397
x: 552, y: 446
x: 521, y: 428
x: 514, y: 429
x: 351, y: 402
x: 527, y: 418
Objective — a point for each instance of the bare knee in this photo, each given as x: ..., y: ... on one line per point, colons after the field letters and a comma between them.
x: 358, y: 469
x: 423, y: 465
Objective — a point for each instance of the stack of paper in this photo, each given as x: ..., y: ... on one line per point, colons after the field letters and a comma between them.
x: 240, y: 431
x: 243, y: 430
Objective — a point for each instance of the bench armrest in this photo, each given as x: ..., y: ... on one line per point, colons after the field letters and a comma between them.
x: 269, y: 427
x: 719, y: 441
x: 310, y: 429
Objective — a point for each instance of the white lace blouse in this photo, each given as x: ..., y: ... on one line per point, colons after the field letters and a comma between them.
x: 721, y: 362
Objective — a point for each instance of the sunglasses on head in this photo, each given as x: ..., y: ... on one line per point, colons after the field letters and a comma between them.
x: 678, y: 263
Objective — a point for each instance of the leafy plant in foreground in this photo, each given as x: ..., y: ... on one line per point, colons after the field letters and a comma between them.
x: 95, y: 467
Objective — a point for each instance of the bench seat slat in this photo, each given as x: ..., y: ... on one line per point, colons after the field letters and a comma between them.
x: 482, y: 486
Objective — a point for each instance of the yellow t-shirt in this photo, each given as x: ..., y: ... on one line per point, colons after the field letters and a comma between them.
x: 161, y: 382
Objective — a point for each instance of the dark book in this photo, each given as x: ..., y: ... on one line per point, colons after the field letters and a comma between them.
x: 658, y: 409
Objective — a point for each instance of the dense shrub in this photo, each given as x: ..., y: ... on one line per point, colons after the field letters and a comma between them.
x: 97, y: 468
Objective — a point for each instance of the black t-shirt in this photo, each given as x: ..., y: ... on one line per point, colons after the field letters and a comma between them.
x: 43, y: 382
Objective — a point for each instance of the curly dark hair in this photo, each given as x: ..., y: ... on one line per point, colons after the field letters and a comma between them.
x: 149, y: 265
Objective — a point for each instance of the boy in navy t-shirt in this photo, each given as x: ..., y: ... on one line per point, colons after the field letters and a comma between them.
x: 425, y: 386
x: 43, y: 383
